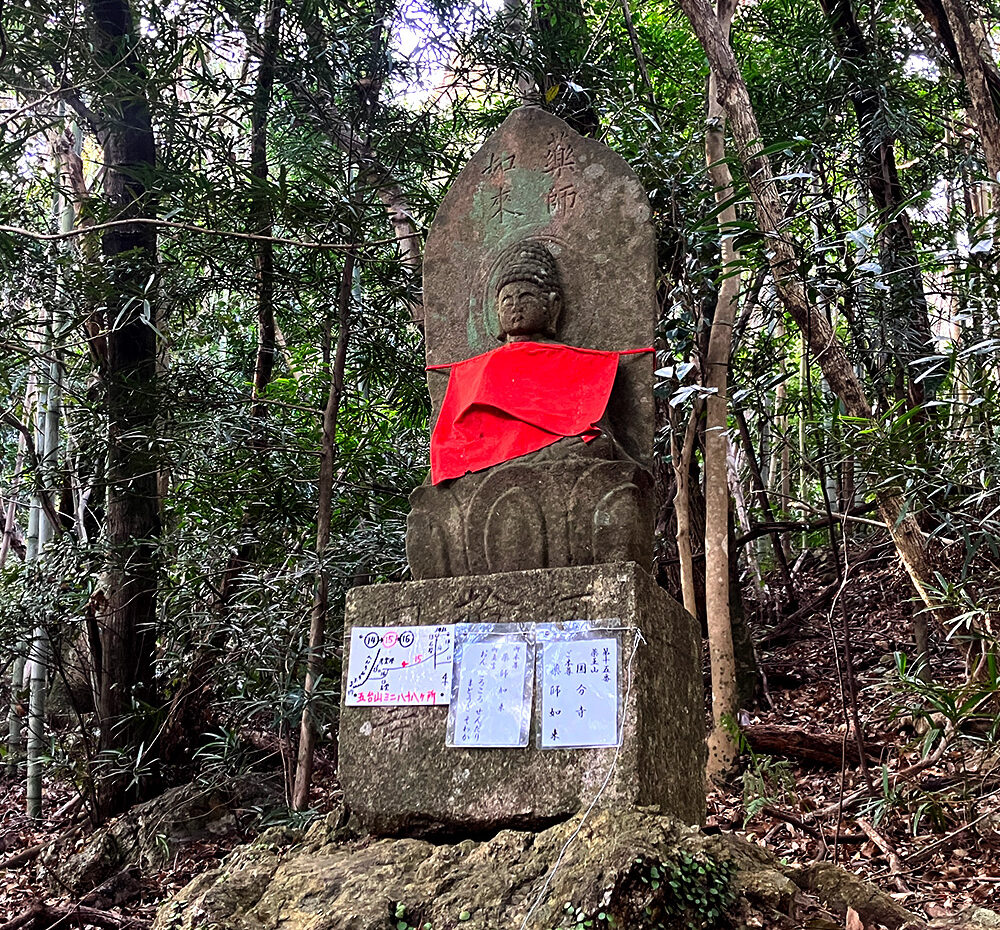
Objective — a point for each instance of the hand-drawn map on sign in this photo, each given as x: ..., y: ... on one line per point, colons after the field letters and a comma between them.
x: 491, y: 697
x: 400, y: 665
x: 579, y: 684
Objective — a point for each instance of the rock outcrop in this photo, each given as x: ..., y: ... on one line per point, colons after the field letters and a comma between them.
x: 637, y: 869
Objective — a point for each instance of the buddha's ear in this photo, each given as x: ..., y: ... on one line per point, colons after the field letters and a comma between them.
x: 555, y: 310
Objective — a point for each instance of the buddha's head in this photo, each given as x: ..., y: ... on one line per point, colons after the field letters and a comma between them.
x: 529, y: 295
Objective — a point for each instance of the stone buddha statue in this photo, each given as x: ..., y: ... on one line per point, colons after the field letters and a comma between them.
x: 526, y: 471
x: 529, y: 294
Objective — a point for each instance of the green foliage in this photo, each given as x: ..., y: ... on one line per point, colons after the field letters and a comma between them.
x: 920, y: 807
x: 766, y: 782
x: 579, y: 919
x: 948, y: 711
x: 943, y: 716
x: 286, y: 818
x: 223, y: 755
x: 402, y: 919
x: 700, y: 891
x: 686, y: 892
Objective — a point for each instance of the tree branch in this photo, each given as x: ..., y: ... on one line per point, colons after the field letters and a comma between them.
x: 186, y: 227
x: 29, y: 448
x: 40, y: 916
x: 781, y: 526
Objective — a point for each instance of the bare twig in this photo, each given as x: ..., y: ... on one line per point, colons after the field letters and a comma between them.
x: 69, y: 809
x: 760, y: 492
x: 640, y: 59
x: 895, y: 866
x: 909, y: 771
x: 40, y: 916
x: 771, y: 526
x: 190, y: 227
x: 790, y: 624
x: 928, y: 851
x: 813, y: 831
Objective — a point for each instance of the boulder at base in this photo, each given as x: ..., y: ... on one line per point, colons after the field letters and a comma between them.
x: 636, y: 869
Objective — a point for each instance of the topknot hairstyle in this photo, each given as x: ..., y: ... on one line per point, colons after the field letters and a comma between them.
x: 529, y: 261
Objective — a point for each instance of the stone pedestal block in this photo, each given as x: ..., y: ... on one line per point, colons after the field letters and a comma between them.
x: 400, y: 778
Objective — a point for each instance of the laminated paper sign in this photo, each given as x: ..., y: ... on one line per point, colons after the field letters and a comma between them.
x: 578, y: 682
x: 400, y: 665
x: 491, y: 690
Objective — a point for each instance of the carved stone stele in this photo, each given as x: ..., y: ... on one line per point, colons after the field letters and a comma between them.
x: 563, y: 198
x: 545, y: 237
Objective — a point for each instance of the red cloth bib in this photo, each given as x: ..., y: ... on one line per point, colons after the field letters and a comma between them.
x: 518, y: 399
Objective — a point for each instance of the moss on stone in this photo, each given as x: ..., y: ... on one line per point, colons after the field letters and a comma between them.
x: 700, y: 882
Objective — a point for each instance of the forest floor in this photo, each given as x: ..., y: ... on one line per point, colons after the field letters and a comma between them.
x: 922, y: 822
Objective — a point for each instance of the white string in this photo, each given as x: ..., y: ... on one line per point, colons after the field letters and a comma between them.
x: 639, y: 639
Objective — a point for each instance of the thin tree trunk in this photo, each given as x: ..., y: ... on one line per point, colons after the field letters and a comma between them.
x: 44, y: 414
x: 48, y: 458
x: 640, y: 59
x: 937, y: 19
x: 747, y: 671
x: 260, y: 207
x: 805, y: 389
x: 132, y: 517
x: 75, y: 215
x: 682, y: 449
x: 827, y: 350
x: 739, y: 498
x: 293, y: 365
x: 36, y: 720
x: 763, y: 459
x: 781, y: 460
x: 317, y: 629
x: 764, y: 503
x: 969, y: 37
x: 17, y: 671
x: 79, y: 495
x: 723, y: 744
x: 921, y: 647
x: 35, y: 516
x: 16, y: 710
x: 10, y: 517
x: 899, y: 253
x: 320, y: 101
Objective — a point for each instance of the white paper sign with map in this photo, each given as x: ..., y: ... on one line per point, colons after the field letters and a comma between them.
x: 491, y: 690
x: 578, y: 681
x: 400, y: 665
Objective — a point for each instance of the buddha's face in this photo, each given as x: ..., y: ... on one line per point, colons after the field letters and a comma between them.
x: 526, y: 310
